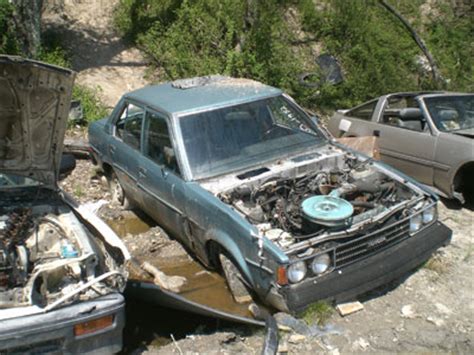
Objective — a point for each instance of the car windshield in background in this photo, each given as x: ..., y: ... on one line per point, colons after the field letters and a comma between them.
x: 451, y: 113
x: 232, y: 138
x: 14, y: 181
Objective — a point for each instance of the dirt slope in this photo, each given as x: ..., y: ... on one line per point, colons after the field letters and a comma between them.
x: 99, y: 55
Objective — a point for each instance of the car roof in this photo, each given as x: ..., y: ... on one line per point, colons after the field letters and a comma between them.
x: 200, y: 93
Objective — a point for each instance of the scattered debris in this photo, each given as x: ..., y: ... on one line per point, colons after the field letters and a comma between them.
x: 360, y: 344
x: 170, y: 283
x: 443, y: 309
x: 408, y: 312
x: 345, y: 309
x: 366, y: 145
x: 284, y: 320
x: 283, y: 348
x: 288, y: 321
x: 296, y: 338
x: 436, y: 321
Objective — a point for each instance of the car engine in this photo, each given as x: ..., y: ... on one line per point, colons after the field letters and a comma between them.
x: 48, y: 258
x: 291, y: 207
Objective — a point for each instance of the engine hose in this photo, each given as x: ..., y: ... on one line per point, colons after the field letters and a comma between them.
x: 362, y: 204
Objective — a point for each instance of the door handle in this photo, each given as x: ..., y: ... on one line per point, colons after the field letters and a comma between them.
x: 142, y: 172
x: 376, y: 133
x: 112, y: 149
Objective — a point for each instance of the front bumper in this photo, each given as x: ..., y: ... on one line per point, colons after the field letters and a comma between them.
x: 362, y: 276
x: 53, y: 332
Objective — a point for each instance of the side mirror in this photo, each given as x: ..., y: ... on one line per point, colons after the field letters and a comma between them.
x: 68, y: 164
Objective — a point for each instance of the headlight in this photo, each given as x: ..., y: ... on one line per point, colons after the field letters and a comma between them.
x: 296, y: 272
x: 320, y: 263
x: 416, y: 222
x: 429, y: 214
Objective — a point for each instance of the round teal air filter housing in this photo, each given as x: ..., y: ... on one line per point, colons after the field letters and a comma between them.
x: 327, y: 210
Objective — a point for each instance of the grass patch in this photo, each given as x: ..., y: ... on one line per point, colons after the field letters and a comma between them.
x: 437, y: 264
x: 319, y: 312
x: 469, y: 252
x: 78, y: 191
x: 92, y: 107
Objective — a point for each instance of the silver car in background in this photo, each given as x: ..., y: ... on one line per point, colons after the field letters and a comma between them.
x: 427, y: 135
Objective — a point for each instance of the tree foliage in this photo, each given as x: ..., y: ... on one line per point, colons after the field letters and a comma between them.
x: 255, y: 39
x: 8, y: 39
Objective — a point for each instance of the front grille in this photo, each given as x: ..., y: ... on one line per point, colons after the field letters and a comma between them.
x: 368, y: 244
x: 45, y: 347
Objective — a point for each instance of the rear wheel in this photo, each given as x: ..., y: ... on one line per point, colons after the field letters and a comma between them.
x: 234, y: 280
x: 117, y: 192
x: 463, y: 183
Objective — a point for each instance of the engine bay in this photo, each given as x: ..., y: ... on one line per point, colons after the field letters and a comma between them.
x: 48, y: 258
x: 315, y: 199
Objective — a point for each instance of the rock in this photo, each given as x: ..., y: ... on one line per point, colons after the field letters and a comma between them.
x: 171, y: 283
x: 408, y: 312
x: 443, y: 309
x: 296, y: 338
x: 345, y: 309
x: 436, y: 321
x: 360, y: 344
x: 283, y: 347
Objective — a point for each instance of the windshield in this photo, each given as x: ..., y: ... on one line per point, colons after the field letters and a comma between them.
x: 236, y: 137
x: 14, y: 181
x: 451, y: 113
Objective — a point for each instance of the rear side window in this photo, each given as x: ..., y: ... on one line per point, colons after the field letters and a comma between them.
x: 129, y: 126
x: 363, y: 112
x: 157, y: 142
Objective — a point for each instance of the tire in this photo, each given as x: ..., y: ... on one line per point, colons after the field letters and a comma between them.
x: 234, y: 280
x: 117, y: 192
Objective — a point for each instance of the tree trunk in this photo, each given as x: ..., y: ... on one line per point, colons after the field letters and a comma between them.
x: 28, y: 24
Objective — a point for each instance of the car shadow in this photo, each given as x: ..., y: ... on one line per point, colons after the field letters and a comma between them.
x: 453, y: 204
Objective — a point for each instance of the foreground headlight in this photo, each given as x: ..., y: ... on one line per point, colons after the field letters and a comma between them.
x: 416, y: 222
x: 320, y: 263
x: 429, y: 214
x: 296, y: 272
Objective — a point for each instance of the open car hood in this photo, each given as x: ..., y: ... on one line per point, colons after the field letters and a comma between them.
x: 34, y: 105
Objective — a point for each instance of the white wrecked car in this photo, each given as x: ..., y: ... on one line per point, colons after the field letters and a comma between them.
x: 62, y: 269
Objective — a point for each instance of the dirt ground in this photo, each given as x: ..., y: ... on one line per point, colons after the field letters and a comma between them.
x: 100, y: 57
x: 431, y: 310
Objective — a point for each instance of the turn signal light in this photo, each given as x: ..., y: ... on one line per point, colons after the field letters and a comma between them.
x: 94, y: 325
x: 282, y: 279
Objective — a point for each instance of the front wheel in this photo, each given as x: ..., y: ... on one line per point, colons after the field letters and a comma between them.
x: 234, y: 280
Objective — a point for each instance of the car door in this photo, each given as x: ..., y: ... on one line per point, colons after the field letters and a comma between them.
x: 160, y: 179
x: 406, y: 145
x: 124, y: 148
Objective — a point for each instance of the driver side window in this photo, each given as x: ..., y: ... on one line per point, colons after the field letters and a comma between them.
x: 403, y: 112
x: 157, y: 142
x: 129, y: 126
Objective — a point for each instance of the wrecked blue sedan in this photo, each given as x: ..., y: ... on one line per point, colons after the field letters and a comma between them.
x: 250, y: 184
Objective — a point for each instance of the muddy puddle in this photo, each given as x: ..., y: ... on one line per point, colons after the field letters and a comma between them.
x: 144, y: 241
